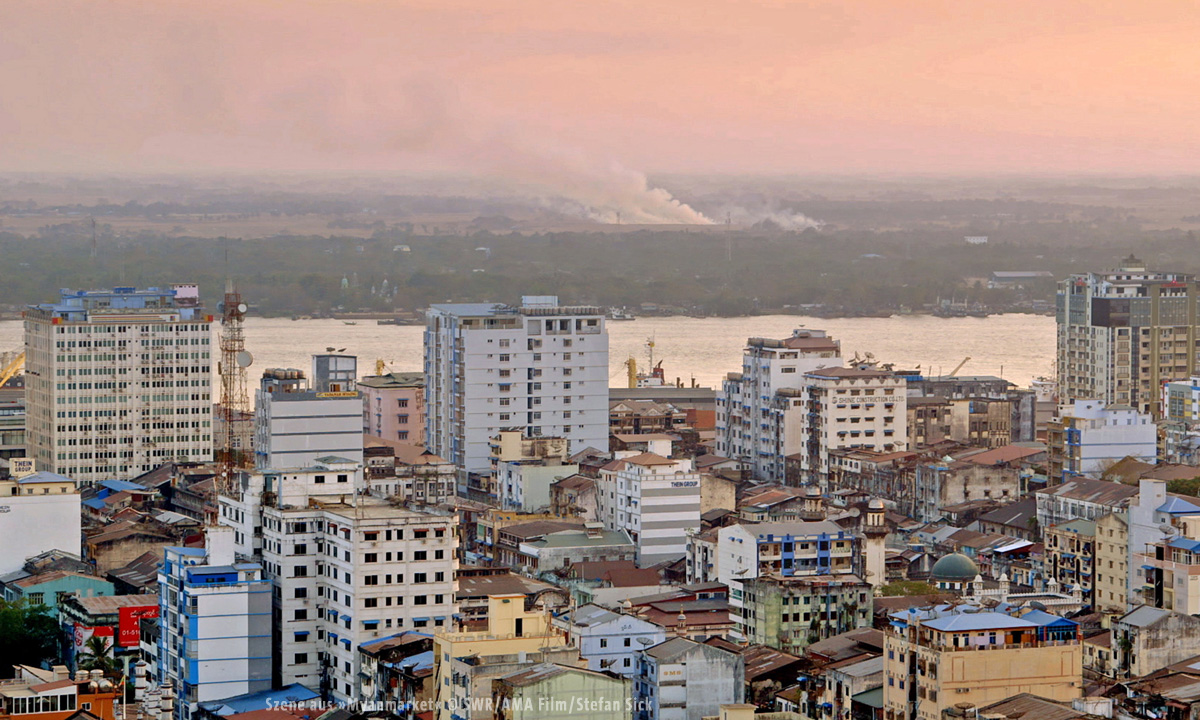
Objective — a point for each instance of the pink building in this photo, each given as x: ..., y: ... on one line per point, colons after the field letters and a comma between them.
x: 394, y: 406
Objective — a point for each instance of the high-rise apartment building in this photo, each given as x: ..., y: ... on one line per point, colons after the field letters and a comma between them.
x: 215, y: 616
x: 758, y: 424
x: 346, y: 566
x: 540, y: 367
x: 118, y: 381
x: 1123, y: 333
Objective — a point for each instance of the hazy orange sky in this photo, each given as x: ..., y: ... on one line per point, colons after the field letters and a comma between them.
x: 658, y: 85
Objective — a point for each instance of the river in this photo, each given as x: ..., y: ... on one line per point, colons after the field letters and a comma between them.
x: 1017, y: 347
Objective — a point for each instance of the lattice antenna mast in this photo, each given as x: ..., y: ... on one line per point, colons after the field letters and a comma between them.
x: 234, y: 409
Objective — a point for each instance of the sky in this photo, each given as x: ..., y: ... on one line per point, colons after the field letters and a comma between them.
x: 514, y: 87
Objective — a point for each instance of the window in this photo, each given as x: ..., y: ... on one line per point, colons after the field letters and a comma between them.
x: 421, y: 600
x: 371, y: 580
x: 300, y: 592
x: 343, y: 478
x: 370, y: 602
x: 319, y: 479
x: 301, y: 659
x: 419, y: 577
x: 300, y: 549
x: 438, y: 554
x: 371, y: 536
x: 419, y: 555
x: 37, y: 598
x: 300, y: 614
x: 402, y: 402
x: 603, y: 642
x: 439, y: 577
x: 371, y: 557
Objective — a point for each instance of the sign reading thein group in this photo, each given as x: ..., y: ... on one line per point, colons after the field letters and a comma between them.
x: 130, y: 624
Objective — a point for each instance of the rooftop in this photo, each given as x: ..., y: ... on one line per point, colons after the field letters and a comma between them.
x: 292, y: 694
x: 414, y: 379
x: 110, y: 604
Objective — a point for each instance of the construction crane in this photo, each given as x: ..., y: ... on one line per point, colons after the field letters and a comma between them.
x: 16, y: 365
x: 959, y: 367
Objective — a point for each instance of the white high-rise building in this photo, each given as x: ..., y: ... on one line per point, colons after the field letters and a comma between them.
x: 1125, y: 332
x: 540, y: 367
x: 347, y: 568
x: 294, y: 424
x: 118, y: 381
x: 755, y: 422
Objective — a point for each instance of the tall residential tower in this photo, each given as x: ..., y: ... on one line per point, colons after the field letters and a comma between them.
x: 541, y: 368
x: 1125, y: 332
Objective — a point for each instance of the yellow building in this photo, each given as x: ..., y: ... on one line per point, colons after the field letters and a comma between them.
x: 466, y: 663
x: 935, y: 658
x: 1112, y: 563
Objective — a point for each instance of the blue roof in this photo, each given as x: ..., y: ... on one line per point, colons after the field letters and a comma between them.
x: 1185, y: 544
x: 1040, y: 617
x: 420, y: 661
x: 1178, y: 506
x: 294, y: 693
x: 94, y: 503
x: 122, y: 485
x: 966, y: 622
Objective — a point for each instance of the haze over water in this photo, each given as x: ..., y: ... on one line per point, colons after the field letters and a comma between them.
x: 1016, y: 347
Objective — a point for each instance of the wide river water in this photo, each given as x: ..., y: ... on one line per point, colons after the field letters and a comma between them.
x: 1017, y: 347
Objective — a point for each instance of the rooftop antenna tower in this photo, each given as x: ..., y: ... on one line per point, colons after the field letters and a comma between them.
x: 233, y: 412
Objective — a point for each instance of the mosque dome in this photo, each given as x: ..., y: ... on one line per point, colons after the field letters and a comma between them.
x: 954, y: 567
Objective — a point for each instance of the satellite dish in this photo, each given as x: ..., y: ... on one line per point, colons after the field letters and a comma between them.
x: 1167, y: 529
x: 244, y: 359
x: 1037, y: 605
x: 242, y: 307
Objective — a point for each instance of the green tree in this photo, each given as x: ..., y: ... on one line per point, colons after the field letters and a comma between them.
x: 28, y: 635
x: 97, y: 655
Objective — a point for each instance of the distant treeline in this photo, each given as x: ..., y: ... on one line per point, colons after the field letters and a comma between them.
x: 724, y: 273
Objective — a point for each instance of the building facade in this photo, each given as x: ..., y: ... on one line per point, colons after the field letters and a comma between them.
x: 1123, y: 333
x: 757, y: 425
x: 540, y: 367
x: 295, y: 423
x: 118, y: 381
x: 1087, y: 438
x: 681, y: 679
x: 937, y: 658
x: 1112, y: 563
x: 654, y: 499
x: 346, y: 567
x: 215, y: 614
x: 394, y: 406
x: 38, y: 512
x: 851, y: 408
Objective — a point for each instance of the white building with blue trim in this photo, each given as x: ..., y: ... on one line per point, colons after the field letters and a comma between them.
x: 215, y: 615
